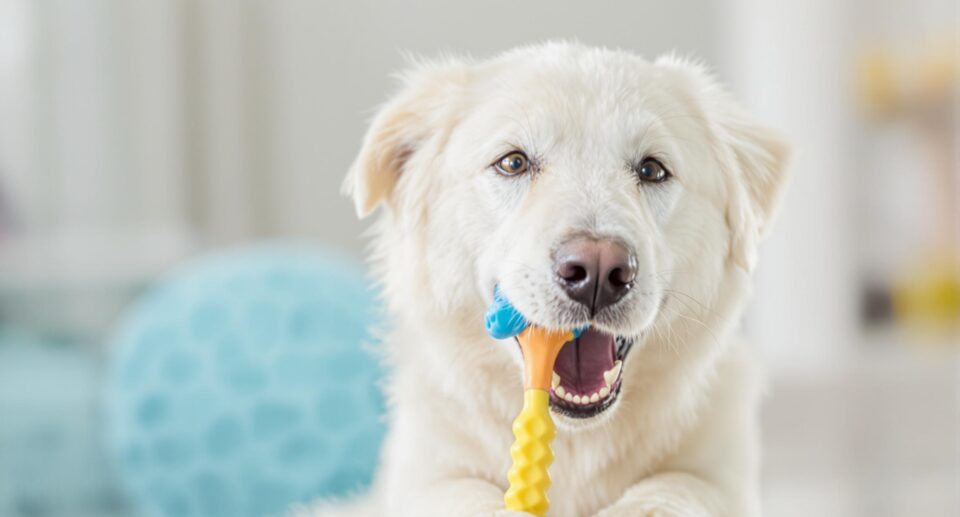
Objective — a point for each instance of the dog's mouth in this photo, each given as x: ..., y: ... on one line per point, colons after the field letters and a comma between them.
x: 587, y: 374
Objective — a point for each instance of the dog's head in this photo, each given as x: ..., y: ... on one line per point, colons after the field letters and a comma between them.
x: 594, y: 187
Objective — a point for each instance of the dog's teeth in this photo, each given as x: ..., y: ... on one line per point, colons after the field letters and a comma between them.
x: 576, y: 399
x: 568, y: 397
x: 610, y: 376
x: 559, y: 391
x: 595, y: 397
x: 556, y: 380
x: 604, y: 391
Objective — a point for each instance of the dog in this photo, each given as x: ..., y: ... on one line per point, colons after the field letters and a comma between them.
x: 592, y: 187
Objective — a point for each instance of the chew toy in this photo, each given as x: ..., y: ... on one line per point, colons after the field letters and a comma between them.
x: 533, y: 429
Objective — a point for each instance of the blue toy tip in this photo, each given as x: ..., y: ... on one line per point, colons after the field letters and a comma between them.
x: 504, y: 321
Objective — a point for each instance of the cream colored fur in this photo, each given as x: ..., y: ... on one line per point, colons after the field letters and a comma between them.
x: 682, y: 438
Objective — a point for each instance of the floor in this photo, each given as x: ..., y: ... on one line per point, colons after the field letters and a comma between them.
x: 882, y: 441
x: 52, y: 463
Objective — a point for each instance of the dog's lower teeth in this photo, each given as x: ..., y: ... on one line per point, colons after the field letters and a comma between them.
x: 609, y: 377
x: 582, y: 400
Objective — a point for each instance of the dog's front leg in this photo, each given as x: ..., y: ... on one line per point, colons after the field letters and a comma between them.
x: 672, y: 494
x: 462, y: 497
x: 714, y: 472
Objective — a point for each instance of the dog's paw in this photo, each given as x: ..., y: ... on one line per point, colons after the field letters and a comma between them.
x: 658, y: 512
x: 652, y: 511
x: 639, y: 512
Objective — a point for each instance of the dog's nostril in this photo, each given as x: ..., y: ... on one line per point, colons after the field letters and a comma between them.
x: 619, y: 277
x: 572, y: 273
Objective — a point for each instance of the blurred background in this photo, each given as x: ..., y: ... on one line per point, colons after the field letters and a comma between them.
x: 136, y: 135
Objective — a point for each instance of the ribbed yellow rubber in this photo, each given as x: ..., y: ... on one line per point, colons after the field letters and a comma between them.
x: 533, y: 430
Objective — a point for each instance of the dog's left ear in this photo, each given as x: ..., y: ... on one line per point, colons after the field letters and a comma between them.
x: 754, y: 158
x: 754, y: 182
x: 400, y: 128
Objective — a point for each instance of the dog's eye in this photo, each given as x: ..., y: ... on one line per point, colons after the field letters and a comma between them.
x: 512, y: 164
x: 653, y: 171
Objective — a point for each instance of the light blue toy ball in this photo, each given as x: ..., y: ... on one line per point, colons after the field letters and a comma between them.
x: 243, y: 383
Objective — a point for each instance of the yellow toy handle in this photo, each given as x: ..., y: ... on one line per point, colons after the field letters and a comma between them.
x: 533, y: 429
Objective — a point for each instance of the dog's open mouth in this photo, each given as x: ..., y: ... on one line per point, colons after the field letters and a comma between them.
x: 587, y: 374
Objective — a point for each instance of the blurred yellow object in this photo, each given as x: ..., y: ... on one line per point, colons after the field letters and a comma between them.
x: 930, y: 295
x: 878, y: 82
x: 892, y: 85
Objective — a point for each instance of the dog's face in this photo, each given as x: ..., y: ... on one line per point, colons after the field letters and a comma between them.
x: 593, y: 187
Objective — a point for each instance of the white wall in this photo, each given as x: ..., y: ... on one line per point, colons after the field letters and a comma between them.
x: 791, y: 65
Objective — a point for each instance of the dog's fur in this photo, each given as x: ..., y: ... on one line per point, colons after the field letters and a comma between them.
x: 682, y: 437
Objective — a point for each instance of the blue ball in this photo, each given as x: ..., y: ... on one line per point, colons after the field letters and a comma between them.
x: 243, y: 383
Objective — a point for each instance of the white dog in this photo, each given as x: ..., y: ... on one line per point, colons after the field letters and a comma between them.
x: 593, y: 187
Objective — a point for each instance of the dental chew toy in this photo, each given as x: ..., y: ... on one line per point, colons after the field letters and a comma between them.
x: 533, y: 429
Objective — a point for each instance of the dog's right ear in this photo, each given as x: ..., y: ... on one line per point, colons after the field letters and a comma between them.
x: 399, y: 129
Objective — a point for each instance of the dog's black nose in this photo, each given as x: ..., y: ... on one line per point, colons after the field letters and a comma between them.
x: 595, y: 272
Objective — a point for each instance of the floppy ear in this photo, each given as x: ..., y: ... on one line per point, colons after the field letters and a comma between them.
x: 754, y: 183
x: 753, y: 157
x: 399, y: 129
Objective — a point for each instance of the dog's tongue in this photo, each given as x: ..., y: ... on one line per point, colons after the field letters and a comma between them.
x: 581, y: 362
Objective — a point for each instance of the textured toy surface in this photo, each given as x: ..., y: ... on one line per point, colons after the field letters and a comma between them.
x: 533, y: 429
x: 240, y: 385
x: 502, y: 320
